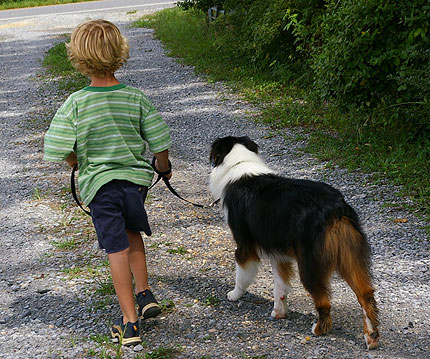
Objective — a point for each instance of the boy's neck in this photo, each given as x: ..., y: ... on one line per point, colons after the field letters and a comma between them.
x: 108, y: 80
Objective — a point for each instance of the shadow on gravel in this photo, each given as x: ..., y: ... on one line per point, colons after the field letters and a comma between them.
x: 60, y: 311
x: 347, y: 320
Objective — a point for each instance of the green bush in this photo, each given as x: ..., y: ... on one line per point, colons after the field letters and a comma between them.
x: 373, y: 54
x: 202, y: 5
x: 270, y: 35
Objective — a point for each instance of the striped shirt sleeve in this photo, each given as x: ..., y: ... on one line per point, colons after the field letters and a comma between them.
x: 60, y: 139
x: 155, y: 131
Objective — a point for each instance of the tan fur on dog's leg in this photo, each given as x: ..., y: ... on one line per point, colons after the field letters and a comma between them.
x: 355, y: 271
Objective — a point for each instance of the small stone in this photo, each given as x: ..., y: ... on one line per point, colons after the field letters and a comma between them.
x: 138, y: 348
x: 43, y: 290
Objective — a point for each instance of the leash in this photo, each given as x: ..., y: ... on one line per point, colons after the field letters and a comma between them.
x: 161, y: 175
x: 73, y: 187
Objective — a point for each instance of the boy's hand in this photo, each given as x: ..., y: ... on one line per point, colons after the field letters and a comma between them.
x: 162, y: 163
x: 72, y: 160
x: 163, y: 169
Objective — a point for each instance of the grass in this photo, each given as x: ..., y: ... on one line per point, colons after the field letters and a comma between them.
x: 210, y: 301
x: 38, y: 194
x: 105, y: 287
x: 11, y: 4
x: 347, y: 139
x: 65, y: 244
x: 167, y: 305
x: 180, y: 250
x: 108, y: 350
x: 162, y: 353
x: 58, y: 66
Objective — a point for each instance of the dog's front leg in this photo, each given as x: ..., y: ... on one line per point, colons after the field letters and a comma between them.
x: 245, y: 275
x: 282, y: 272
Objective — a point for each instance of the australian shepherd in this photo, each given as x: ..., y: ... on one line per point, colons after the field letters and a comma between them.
x: 285, y: 219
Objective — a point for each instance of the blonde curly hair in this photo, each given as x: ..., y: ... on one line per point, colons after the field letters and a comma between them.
x: 97, y: 47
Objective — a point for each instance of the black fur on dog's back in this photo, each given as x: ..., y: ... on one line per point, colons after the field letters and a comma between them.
x: 291, y: 217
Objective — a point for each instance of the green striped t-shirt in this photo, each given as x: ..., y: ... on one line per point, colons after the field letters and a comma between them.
x: 108, y: 128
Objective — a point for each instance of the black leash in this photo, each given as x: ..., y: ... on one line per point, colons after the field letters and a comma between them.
x: 161, y: 175
x: 73, y: 187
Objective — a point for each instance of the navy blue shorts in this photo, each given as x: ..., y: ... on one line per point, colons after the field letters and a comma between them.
x: 117, y: 206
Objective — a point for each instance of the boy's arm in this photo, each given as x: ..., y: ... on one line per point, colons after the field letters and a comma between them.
x: 71, y: 159
x: 162, y: 163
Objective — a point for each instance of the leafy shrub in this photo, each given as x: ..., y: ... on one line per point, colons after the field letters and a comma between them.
x: 372, y: 54
x: 202, y: 5
x: 265, y: 34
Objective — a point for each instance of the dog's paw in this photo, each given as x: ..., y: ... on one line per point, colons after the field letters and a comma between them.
x: 234, y: 295
x: 372, y: 340
x: 278, y: 314
x: 280, y: 308
x: 322, y: 326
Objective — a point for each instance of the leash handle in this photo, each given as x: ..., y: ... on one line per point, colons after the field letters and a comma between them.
x: 73, y: 187
x: 160, y: 173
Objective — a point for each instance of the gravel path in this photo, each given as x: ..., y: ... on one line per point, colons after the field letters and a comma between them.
x: 56, y: 298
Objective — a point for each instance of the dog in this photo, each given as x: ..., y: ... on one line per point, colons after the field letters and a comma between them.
x: 285, y: 219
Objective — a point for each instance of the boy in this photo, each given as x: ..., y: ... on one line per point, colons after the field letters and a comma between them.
x: 104, y: 128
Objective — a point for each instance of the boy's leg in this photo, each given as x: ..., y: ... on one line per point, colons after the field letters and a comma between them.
x: 148, y: 305
x: 138, y: 261
x: 122, y: 281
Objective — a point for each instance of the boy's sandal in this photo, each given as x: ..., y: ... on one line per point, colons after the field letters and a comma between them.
x: 148, y: 305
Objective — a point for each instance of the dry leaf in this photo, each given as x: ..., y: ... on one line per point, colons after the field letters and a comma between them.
x: 400, y: 220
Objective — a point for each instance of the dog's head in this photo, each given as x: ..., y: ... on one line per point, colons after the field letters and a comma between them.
x: 222, y: 146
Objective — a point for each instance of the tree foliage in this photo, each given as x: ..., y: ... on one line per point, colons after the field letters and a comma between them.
x: 371, y: 55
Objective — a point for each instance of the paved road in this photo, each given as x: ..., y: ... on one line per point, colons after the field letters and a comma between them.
x: 82, y: 7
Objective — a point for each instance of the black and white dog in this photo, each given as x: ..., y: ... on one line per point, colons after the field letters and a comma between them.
x: 286, y: 219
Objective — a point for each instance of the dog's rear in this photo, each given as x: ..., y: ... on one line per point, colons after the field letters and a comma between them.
x: 349, y: 251
x: 287, y: 219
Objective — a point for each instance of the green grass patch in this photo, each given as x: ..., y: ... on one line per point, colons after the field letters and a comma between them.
x: 210, y: 301
x: 105, y: 287
x: 391, y: 158
x: 11, y: 4
x: 58, y: 66
x: 167, y: 305
x: 180, y: 250
x: 65, y: 244
x: 348, y: 139
x: 161, y: 353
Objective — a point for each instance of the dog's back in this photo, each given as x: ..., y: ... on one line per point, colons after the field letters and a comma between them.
x: 277, y: 213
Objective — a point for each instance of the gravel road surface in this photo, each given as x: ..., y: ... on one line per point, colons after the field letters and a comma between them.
x: 56, y: 298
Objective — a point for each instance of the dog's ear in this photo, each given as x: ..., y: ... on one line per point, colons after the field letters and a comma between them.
x: 218, y: 152
x: 221, y: 148
x: 249, y: 144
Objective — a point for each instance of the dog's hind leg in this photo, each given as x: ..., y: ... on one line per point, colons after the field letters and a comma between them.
x: 247, y: 262
x: 282, y: 273
x: 315, y: 275
x: 354, y: 266
x: 359, y: 280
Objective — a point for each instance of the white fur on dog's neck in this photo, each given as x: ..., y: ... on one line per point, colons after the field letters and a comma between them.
x: 239, y: 162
